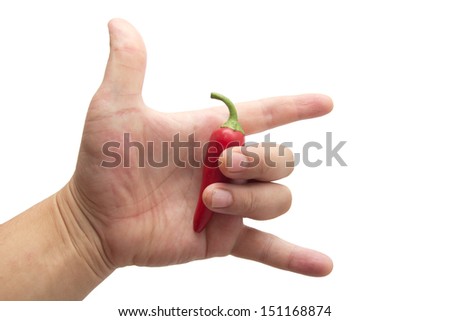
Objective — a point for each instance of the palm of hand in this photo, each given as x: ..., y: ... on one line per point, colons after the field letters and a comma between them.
x: 144, y: 214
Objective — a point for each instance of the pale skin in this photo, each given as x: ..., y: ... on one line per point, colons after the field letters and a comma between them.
x: 105, y: 218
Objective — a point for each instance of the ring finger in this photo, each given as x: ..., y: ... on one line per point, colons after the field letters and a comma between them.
x: 256, y: 200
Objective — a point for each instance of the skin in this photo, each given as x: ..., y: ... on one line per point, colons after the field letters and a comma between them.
x: 105, y: 218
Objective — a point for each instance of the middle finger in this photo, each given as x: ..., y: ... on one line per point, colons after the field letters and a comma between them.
x: 262, y: 162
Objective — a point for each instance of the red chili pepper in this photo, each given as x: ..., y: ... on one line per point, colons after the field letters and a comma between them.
x: 228, y: 135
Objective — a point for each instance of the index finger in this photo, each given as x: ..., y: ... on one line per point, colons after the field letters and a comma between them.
x: 260, y: 115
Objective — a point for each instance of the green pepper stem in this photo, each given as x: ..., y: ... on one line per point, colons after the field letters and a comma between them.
x: 232, y: 121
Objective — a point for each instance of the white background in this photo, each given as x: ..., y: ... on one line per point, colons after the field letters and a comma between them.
x: 383, y: 219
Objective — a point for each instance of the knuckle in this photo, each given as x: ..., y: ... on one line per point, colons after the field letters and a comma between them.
x: 287, y: 153
x: 264, y: 168
x: 267, y: 249
x: 289, y: 161
x: 249, y: 203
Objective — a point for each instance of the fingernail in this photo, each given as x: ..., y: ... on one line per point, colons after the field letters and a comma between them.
x: 221, y: 198
x: 238, y: 163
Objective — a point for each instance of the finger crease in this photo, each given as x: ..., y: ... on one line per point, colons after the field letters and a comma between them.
x: 267, y: 248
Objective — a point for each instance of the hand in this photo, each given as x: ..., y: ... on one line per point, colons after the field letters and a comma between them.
x: 143, y: 215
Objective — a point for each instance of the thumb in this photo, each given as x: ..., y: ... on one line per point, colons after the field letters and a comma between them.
x: 125, y: 70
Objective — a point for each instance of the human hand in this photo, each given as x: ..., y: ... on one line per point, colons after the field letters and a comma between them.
x: 143, y: 215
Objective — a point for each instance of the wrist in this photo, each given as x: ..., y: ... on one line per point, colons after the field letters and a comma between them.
x: 78, y: 232
x: 50, y: 252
